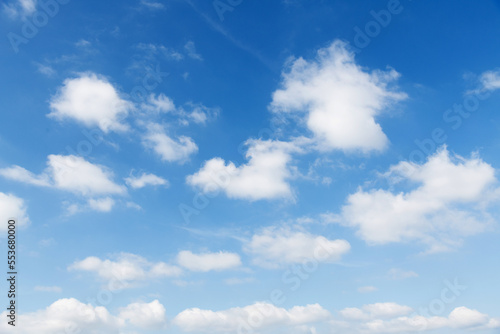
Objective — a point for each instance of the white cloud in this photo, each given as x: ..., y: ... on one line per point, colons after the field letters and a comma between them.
x: 72, y: 316
x: 56, y: 289
x: 146, y: 180
x: 69, y: 173
x: 275, y: 247
x: 167, y: 148
x: 263, y: 177
x: 153, y: 5
x: 490, y: 80
x: 101, y: 204
x: 125, y: 269
x: 12, y: 206
x: 337, y: 99
x: 208, y: 261
x: 92, y: 101
x: 145, y: 315
x: 448, y: 203
x: 191, y: 51
x: 161, y: 103
x: 390, y: 322
x: 256, y: 317
x: 20, y: 8
x: 377, y: 310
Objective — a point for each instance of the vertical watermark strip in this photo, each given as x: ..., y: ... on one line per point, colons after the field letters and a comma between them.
x: 11, y: 271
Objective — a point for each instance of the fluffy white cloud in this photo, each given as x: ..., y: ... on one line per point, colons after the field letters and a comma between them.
x: 208, y: 261
x: 160, y: 103
x: 146, y: 180
x: 256, y: 317
x: 448, y: 203
x: 12, y: 206
x: 265, y: 175
x: 389, y: 322
x: 167, y: 148
x: 337, y: 99
x: 72, y: 316
x: 275, y: 247
x: 101, y: 204
x: 145, y: 315
x: 91, y: 100
x: 490, y: 80
x: 70, y: 173
x: 125, y: 269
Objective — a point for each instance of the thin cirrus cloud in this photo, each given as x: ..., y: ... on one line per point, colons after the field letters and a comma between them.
x: 449, y: 202
x: 93, y: 101
x: 70, y: 316
x: 205, y: 262
x: 241, y: 319
x: 125, y: 270
x: 277, y: 247
x: 12, y: 206
x: 265, y: 176
x: 70, y: 173
x: 337, y: 100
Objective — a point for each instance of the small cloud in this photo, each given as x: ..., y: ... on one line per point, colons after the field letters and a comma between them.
x: 102, y: 204
x: 146, y: 180
x: 153, y: 5
x: 367, y: 289
x: 82, y: 43
x: 397, y: 274
x: 191, y: 51
x: 133, y: 205
x: 45, y: 70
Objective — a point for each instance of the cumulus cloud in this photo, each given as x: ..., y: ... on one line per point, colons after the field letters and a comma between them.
x: 12, y: 206
x: 92, y: 101
x: 389, y: 322
x: 274, y: 247
x: 265, y: 176
x: 208, y: 261
x: 448, y: 204
x: 256, y: 317
x: 146, y: 180
x: 145, y: 315
x: 69, y: 173
x: 71, y: 316
x: 168, y: 148
x: 490, y: 80
x: 160, y: 103
x: 125, y: 269
x: 101, y: 204
x: 337, y: 100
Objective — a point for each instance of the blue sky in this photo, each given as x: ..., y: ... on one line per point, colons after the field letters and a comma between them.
x: 236, y: 166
